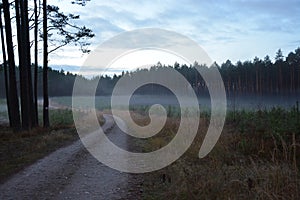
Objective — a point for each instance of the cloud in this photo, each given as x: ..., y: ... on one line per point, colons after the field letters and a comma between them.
x: 232, y: 29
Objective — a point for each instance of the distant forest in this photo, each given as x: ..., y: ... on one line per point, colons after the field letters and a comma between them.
x: 255, y: 77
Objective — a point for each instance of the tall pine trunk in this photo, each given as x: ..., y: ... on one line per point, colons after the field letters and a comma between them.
x: 35, y: 81
x: 22, y: 67
x: 28, y: 63
x: 13, y: 94
x: 5, y: 68
x: 22, y: 24
x: 45, y: 67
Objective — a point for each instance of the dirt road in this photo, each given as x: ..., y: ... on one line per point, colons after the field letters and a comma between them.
x: 72, y: 173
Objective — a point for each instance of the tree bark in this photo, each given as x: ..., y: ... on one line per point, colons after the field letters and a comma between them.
x: 5, y: 68
x: 22, y: 66
x: 35, y: 88
x: 32, y: 111
x: 13, y: 94
x: 45, y: 68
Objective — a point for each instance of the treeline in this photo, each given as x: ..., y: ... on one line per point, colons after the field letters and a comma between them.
x: 256, y: 77
x: 264, y: 77
x: 259, y: 77
x: 60, y: 83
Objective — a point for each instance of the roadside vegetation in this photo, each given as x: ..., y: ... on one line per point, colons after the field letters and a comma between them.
x: 23, y: 148
x: 20, y: 149
x: 256, y: 157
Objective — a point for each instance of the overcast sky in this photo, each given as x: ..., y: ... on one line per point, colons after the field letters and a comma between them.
x: 234, y: 29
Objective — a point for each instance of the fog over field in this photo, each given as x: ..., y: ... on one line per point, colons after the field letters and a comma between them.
x: 238, y: 103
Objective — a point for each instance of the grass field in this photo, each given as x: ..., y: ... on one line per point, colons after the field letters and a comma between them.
x: 256, y: 157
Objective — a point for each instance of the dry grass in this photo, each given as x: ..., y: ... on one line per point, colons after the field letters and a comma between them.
x: 18, y: 150
x: 241, y: 166
x: 86, y: 121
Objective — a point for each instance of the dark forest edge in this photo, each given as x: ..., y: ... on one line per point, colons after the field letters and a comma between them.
x: 45, y: 21
x: 249, y: 78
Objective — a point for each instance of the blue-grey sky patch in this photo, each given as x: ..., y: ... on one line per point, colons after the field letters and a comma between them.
x: 225, y: 29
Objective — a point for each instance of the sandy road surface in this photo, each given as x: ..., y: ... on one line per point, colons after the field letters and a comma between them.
x: 72, y: 173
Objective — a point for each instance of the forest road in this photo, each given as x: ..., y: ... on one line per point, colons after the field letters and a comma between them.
x: 73, y: 173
